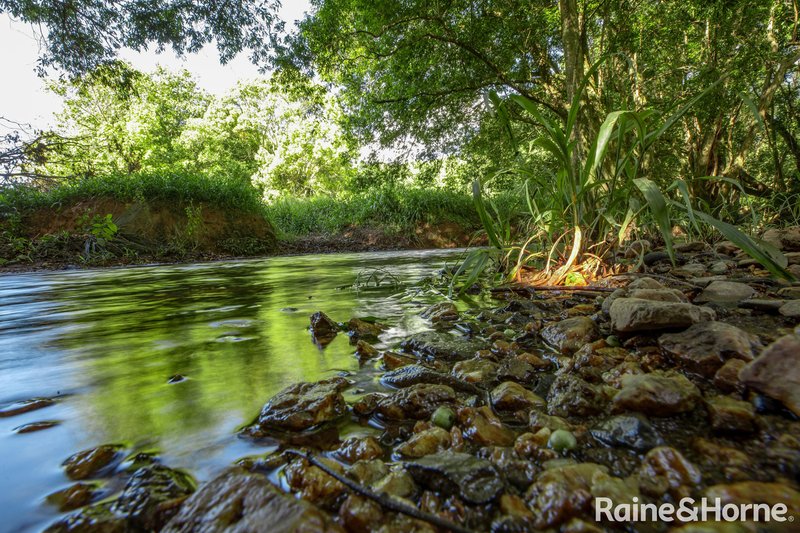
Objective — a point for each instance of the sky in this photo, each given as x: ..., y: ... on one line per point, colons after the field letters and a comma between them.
x: 24, y: 98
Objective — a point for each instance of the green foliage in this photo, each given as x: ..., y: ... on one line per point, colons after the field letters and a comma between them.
x: 177, y: 187
x: 393, y: 209
x: 79, y: 36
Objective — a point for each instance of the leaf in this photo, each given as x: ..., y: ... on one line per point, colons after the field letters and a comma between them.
x: 486, y: 220
x: 659, y: 210
x: 749, y: 246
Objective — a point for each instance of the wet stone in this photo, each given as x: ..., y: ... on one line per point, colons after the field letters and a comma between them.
x: 776, y: 372
x: 361, y: 329
x: 415, y: 374
x: 417, y: 402
x: 359, y: 448
x: 476, y: 480
x: 657, y: 394
x: 628, y: 431
x: 572, y: 396
x: 25, y: 406
x: 441, y: 312
x: 392, y: 360
x: 150, y: 498
x: 152, y: 495
x: 563, y: 492
x: 238, y: 502
x: 731, y: 415
x: 313, y: 484
x: 669, y: 464
x: 568, y: 336
x: 365, y: 351
x: 36, y: 426
x: 727, y: 378
x: 89, y: 463
x: 426, y: 442
x: 759, y: 492
x: 323, y: 329
x: 438, y: 346
x: 511, y: 396
x: 73, y: 497
x: 398, y: 483
x: 519, y: 369
x: 304, y: 405
x: 475, y: 370
x: 481, y: 426
x: 704, y: 347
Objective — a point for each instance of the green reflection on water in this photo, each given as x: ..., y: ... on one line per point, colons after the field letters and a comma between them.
x: 225, y: 327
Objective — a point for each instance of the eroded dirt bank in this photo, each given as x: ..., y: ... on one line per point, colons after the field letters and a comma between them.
x: 82, y: 235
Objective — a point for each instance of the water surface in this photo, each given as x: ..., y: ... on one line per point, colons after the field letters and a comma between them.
x: 108, y: 342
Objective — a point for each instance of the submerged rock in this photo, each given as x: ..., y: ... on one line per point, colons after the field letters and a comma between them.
x: 238, y: 502
x: 476, y: 480
x: 73, y: 497
x: 414, y: 374
x: 776, y: 372
x: 704, y: 347
x: 150, y: 498
x: 323, y: 329
x: 304, y: 405
x: 88, y: 463
x: 441, y: 312
x: 568, y: 336
x: 361, y: 329
x: 25, y: 406
x: 657, y: 394
x: 629, y: 431
x: 632, y: 314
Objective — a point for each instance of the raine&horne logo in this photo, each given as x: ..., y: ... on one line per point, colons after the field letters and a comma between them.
x: 689, y: 510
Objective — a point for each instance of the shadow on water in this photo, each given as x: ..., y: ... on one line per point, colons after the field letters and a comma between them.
x: 110, y: 341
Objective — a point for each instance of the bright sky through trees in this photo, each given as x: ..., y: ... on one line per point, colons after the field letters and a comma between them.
x: 24, y: 98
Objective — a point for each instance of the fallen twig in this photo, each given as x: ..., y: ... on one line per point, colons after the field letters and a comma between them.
x: 381, y: 499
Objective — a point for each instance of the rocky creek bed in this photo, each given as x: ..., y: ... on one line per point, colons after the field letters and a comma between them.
x: 680, y: 382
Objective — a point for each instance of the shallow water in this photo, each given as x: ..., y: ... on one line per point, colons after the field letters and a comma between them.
x: 108, y: 342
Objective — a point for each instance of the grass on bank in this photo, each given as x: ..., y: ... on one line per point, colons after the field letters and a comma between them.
x: 222, y: 193
x: 393, y: 209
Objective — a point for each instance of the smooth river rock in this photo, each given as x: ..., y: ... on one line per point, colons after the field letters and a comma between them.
x: 704, y: 347
x: 570, y: 335
x: 304, y: 405
x: 237, y: 501
x: 632, y: 314
x: 776, y: 372
x: 725, y: 292
x: 657, y: 394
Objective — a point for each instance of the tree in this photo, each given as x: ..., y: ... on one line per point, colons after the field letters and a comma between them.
x: 79, y: 35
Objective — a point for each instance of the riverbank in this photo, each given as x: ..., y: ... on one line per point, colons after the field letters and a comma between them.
x: 145, y: 220
x: 516, y: 413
